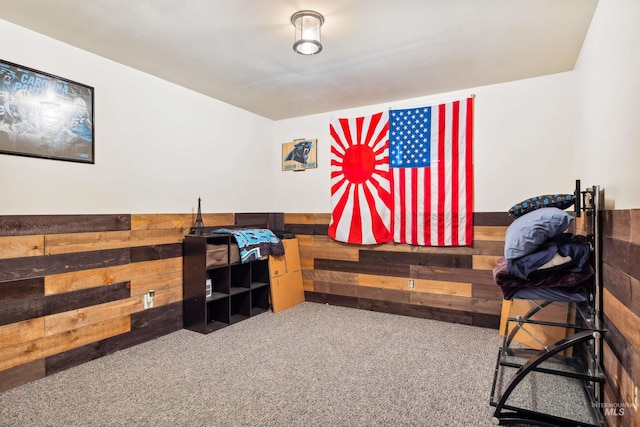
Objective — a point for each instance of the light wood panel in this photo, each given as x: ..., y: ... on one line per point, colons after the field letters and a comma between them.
x: 21, y: 246
x: 490, y: 233
x: 455, y: 303
x: 628, y: 323
x: 30, y: 351
x: 420, y: 285
x: 484, y: 262
x: 620, y: 390
x: 70, y: 320
x: 19, y: 332
x: 140, y: 274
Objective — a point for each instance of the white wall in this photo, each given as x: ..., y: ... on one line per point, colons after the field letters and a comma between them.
x: 608, y: 79
x: 158, y: 146
x: 523, y: 143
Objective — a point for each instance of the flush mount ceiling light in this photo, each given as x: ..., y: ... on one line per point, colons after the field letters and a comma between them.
x: 307, y: 23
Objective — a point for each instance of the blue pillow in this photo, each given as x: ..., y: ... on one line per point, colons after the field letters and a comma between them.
x: 560, y: 201
x: 528, y: 232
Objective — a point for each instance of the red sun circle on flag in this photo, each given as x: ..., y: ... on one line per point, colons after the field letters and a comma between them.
x: 358, y: 163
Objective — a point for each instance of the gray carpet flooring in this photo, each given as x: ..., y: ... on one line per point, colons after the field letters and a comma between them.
x: 311, y: 365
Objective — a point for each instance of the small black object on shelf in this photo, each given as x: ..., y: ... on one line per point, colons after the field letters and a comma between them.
x: 283, y: 234
x: 198, y: 225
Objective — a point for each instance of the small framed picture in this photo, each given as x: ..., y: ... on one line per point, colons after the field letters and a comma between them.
x: 299, y: 154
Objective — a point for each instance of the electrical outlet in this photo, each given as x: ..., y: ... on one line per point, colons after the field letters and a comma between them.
x: 148, y: 299
x: 411, y: 284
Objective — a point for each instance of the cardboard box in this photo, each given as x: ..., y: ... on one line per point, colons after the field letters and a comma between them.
x: 286, y: 277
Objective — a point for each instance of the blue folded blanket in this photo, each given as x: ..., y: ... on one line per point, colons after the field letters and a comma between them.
x: 254, y: 243
x: 566, y: 245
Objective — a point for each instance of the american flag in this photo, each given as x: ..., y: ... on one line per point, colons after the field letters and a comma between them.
x: 430, y: 152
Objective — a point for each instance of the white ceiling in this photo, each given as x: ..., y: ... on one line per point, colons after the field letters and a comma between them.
x: 374, y: 51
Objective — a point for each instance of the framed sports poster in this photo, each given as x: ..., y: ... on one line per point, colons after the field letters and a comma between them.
x: 299, y: 154
x: 42, y: 115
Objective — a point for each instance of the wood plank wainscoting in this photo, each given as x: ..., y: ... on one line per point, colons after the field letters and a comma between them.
x: 621, y: 308
x: 453, y: 284
x: 72, y: 287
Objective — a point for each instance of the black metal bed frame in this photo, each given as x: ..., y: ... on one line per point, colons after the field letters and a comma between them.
x: 580, y: 351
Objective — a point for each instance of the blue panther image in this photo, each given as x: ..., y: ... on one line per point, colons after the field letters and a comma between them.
x: 300, y: 152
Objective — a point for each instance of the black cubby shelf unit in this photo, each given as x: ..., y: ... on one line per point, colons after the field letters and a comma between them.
x: 238, y: 291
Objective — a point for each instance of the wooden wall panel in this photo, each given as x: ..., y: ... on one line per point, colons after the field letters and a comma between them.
x: 31, y: 351
x: 21, y: 246
x: 621, y: 307
x: 450, y: 283
x: 145, y: 325
x: 22, y: 374
x: 74, y: 281
x: 24, y: 225
x: 154, y: 252
x: 21, y: 289
x: 141, y: 275
x: 39, y: 266
x: 72, y: 286
x: 171, y: 221
x: 19, y: 332
x: 62, y: 322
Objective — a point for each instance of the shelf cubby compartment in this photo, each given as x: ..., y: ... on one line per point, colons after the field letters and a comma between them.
x: 240, y: 308
x: 217, y: 314
x: 259, y: 298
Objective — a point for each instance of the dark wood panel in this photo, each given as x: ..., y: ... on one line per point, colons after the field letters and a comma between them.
x: 382, y: 294
x: 39, y: 266
x: 487, y: 291
x: 276, y: 220
x: 155, y: 252
x: 488, y: 247
x: 21, y: 225
x: 21, y: 289
x: 171, y: 313
x: 270, y: 220
x: 22, y: 374
x: 414, y: 258
x: 627, y: 355
x: 338, y: 300
x: 252, y: 219
x: 59, y: 303
x: 397, y: 270
x: 492, y: 219
x: 616, y: 224
x: 145, y: 326
x: 435, y: 313
x: 383, y: 306
x: 464, y: 275
x: 624, y: 287
x: 308, y: 229
x: 491, y: 321
x: 17, y: 311
x: 391, y: 295
x: 622, y: 256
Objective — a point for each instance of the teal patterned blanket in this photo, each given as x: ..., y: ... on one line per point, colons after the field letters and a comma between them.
x: 254, y: 243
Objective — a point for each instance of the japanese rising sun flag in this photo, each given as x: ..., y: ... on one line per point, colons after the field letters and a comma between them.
x: 360, y: 180
x: 405, y: 177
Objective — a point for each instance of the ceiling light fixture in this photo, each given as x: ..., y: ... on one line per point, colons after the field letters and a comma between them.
x: 307, y: 23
